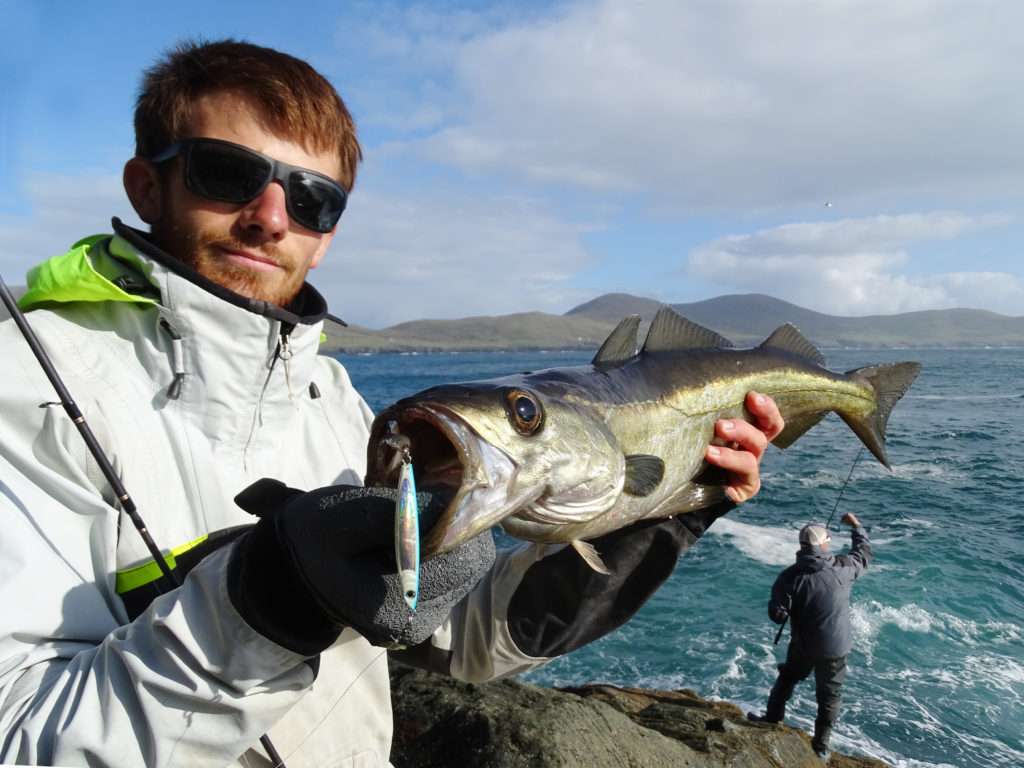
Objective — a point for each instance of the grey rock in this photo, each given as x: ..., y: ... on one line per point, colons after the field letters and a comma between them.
x: 441, y: 722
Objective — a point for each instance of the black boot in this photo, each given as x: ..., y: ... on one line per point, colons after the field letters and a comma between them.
x: 822, y: 734
x: 756, y: 718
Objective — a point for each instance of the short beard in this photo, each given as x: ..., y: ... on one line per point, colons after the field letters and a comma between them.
x: 200, y: 251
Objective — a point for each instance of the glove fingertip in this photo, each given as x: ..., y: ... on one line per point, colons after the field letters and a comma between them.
x: 264, y: 496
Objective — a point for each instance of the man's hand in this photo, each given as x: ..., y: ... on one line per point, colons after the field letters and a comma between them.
x: 850, y: 519
x: 745, y: 445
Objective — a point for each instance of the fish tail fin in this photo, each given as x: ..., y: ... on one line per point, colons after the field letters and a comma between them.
x: 890, y: 382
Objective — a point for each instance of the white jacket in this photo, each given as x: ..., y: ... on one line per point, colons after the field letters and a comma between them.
x: 187, y: 683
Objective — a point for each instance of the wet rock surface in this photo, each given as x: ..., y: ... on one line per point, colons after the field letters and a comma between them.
x: 510, y: 724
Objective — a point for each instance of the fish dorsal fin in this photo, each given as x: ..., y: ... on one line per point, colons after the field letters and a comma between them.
x: 788, y: 338
x: 620, y: 345
x: 589, y: 554
x: 671, y: 331
x: 644, y: 473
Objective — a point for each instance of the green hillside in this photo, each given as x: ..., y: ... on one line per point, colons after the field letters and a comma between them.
x: 746, y: 319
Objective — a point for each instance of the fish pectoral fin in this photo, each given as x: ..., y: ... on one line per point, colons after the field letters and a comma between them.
x: 589, y: 554
x: 795, y: 427
x: 644, y: 473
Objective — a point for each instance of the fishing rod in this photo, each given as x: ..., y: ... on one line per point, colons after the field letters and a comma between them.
x: 778, y: 635
x: 78, y: 419
x: 73, y: 412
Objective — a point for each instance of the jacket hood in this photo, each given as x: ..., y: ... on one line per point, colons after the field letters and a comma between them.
x: 813, y: 561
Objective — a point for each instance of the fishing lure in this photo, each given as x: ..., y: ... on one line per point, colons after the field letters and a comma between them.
x: 407, y: 522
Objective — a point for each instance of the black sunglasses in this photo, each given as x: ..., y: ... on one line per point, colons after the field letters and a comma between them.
x: 230, y: 173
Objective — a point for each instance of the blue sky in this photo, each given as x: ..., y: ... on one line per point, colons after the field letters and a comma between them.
x: 851, y: 157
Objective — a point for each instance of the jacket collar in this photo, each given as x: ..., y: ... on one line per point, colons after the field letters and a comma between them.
x: 307, y: 308
x: 234, y: 368
x: 240, y: 367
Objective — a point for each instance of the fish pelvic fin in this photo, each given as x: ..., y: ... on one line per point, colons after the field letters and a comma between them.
x: 671, y: 331
x: 620, y: 345
x: 789, y: 339
x: 590, y: 556
x: 890, y: 382
x: 644, y: 473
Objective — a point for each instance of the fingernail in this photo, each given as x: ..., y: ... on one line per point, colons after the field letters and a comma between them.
x: 728, y: 426
x: 759, y: 399
x: 713, y: 450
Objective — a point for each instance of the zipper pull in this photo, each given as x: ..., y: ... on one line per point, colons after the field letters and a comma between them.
x: 177, y: 360
x: 284, y: 351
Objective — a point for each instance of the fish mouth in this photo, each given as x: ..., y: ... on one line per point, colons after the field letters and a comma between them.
x: 448, y: 454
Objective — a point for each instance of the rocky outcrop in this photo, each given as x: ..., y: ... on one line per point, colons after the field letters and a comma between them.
x: 440, y: 722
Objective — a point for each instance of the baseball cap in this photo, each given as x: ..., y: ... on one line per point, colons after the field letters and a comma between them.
x: 814, y: 535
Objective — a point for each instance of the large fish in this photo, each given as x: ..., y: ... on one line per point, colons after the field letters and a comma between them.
x: 568, y: 454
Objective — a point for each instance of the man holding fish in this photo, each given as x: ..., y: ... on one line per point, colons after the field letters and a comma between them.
x: 193, y: 351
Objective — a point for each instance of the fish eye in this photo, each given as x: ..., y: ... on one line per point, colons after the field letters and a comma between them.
x: 524, y: 411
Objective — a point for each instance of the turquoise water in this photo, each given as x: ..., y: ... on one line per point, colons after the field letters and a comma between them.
x: 937, y: 672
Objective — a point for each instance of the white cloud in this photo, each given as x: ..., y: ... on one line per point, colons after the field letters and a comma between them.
x: 60, y: 209
x: 407, y: 56
x: 399, y: 257
x: 851, y: 267
x: 747, y: 103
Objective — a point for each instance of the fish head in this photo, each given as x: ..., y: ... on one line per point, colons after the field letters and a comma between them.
x: 513, y: 451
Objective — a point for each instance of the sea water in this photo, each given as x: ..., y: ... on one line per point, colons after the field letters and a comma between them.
x: 936, y: 675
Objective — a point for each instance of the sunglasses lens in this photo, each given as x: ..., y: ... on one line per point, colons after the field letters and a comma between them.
x: 313, y: 202
x: 225, y: 173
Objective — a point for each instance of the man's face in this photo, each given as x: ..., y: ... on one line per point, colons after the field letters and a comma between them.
x: 253, y: 249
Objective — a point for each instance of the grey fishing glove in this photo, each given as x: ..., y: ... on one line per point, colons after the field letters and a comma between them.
x: 320, y: 561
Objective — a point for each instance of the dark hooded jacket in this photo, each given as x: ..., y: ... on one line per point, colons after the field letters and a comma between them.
x: 815, y: 591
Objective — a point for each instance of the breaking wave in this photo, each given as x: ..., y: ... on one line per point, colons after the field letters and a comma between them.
x: 771, y: 546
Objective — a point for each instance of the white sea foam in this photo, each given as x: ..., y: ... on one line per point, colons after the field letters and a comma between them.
x: 928, y: 470
x: 889, y: 532
x: 868, y: 619
x: 997, y: 672
x: 918, y: 522
x: 771, y: 546
x: 733, y: 672
x: 852, y: 740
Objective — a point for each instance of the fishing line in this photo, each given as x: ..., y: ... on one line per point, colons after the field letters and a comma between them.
x: 843, y: 489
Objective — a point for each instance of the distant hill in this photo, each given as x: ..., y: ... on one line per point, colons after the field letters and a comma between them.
x: 745, y: 319
x: 527, y: 330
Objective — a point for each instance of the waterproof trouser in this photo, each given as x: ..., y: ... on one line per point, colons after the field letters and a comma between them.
x: 828, y: 677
